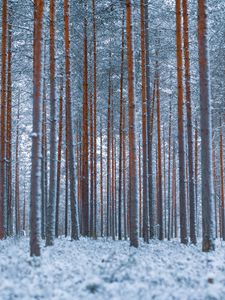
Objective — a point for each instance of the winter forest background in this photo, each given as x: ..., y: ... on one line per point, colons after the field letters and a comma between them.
x: 112, y: 129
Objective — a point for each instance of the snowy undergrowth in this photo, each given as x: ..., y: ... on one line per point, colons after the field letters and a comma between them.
x: 102, y: 269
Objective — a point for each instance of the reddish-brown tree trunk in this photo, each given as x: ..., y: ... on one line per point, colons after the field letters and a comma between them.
x: 17, y: 176
x: 35, y: 199
x: 58, y: 180
x: 144, y: 128
x: 9, y: 130
x: 208, y: 234
x: 193, y: 236
x: 121, y: 135
x: 108, y: 221
x: 85, y: 175
x: 3, y: 104
x: 101, y: 183
x: 69, y: 128
x: 132, y: 131
x: 182, y: 194
x: 222, y: 181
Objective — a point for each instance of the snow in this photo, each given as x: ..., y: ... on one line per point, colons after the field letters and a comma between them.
x: 106, y: 269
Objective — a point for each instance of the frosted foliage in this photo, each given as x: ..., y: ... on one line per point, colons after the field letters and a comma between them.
x: 103, y: 269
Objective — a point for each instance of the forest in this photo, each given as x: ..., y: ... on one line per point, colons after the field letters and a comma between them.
x: 112, y: 149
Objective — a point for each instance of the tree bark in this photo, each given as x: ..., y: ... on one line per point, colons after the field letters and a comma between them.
x: 182, y: 194
x: 50, y: 222
x: 85, y: 175
x: 132, y: 131
x: 3, y: 104
x: 193, y: 236
x: 144, y: 128
x: 35, y: 200
x: 9, y: 128
x: 208, y: 233
x: 69, y: 126
x: 59, y: 159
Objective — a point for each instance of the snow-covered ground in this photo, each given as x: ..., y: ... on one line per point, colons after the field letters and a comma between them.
x: 104, y: 269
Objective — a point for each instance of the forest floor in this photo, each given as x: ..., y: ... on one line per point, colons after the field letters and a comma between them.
x: 105, y: 269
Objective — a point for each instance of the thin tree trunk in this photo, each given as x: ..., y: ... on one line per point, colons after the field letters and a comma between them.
x: 3, y: 104
x: 196, y: 174
x: 174, y: 192
x: 113, y: 179
x: 208, y: 233
x: 132, y: 131
x: 95, y: 122
x: 91, y: 169
x: 58, y: 181
x: 108, y: 159
x: 17, y: 176
x: 182, y: 194
x: 124, y: 173
x: 121, y: 135
x: 144, y: 128
x: 66, y: 193
x: 69, y: 121
x: 44, y: 162
x: 160, y: 196
x: 149, y: 130
x: 9, y: 128
x: 35, y: 199
x: 140, y: 189
x: 214, y: 180
x: 193, y: 236
x: 222, y: 181
x: 24, y: 208
x: 101, y: 182
x: 85, y: 175
x: 169, y: 175
x: 50, y: 222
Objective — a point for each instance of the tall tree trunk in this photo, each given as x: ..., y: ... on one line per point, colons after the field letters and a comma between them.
x: 132, y: 131
x: 174, y: 192
x: 144, y: 128
x: 85, y: 175
x: 9, y: 128
x: 124, y: 173
x: 50, y: 222
x: 113, y: 179
x: 101, y: 183
x: 108, y: 159
x: 44, y: 162
x: 35, y: 199
x: 59, y: 158
x: 24, y: 208
x: 182, y: 194
x: 214, y: 180
x: 91, y: 168
x: 196, y: 173
x: 17, y: 176
x: 222, y: 181
x: 95, y: 122
x: 193, y: 236
x: 69, y: 121
x: 3, y: 104
x: 66, y: 192
x: 169, y: 175
x: 160, y: 196
x: 149, y: 130
x: 208, y: 233
x: 140, y: 189
x: 121, y: 135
